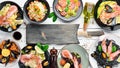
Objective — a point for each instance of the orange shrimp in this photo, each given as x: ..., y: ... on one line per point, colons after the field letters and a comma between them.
x: 13, y: 9
x: 109, y: 51
x: 62, y: 3
x: 104, y: 47
x: 113, y: 55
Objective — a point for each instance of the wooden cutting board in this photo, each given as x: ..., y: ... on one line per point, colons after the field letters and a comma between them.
x: 52, y: 33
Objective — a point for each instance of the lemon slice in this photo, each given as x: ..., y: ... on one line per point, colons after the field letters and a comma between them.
x: 118, y: 59
x: 5, y: 52
x: 39, y: 50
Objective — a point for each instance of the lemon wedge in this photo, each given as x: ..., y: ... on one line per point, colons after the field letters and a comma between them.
x: 39, y: 50
x: 118, y: 59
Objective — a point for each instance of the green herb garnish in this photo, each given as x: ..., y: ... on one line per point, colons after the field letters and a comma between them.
x: 53, y: 16
x: 114, y: 48
x: 43, y: 47
x: 100, y: 48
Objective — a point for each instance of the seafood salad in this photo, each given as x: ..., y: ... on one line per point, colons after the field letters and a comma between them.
x: 70, y: 59
x: 68, y: 8
x: 37, y: 10
x: 8, y: 17
x: 109, y: 12
x: 9, y: 52
x: 107, y: 53
x: 34, y: 56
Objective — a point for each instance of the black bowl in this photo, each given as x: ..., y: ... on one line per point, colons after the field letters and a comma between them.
x: 67, y: 19
x: 99, y: 22
x: 20, y: 13
x: 21, y: 65
x: 26, y: 11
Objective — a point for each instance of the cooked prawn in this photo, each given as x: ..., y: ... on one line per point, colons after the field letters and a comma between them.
x: 113, y: 55
x: 104, y: 47
x: 109, y: 51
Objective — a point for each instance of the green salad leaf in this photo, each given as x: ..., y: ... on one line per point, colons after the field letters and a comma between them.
x: 44, y: 47
x: 53, y: 16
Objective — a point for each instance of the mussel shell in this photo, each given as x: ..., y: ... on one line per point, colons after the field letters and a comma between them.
x: 5, y: 60
x: 107, y: 66
x: 8, y: 59
x: 28, y: 48
x: 43, y: 63
x: 108, y: 8
x: 15, y: 54
x: 110, y: 20
x: 22, y: 65
x: 7, y: 41
x: 7, y: 44
x: 0, y: 51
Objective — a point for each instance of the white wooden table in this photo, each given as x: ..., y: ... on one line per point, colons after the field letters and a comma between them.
x: 83, y: 41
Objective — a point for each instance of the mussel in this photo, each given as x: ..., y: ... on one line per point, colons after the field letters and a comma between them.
x: 110, y: 20
x: 5, y: 60
x: 93, y: 55
x: 103, y: 55
x: 7, y: 44
x: 14, y: 54
x: 28, y: 49
x: 108, y: 66
x: 108, y: 8
x: 0, y: 51
x: 8, y: 41
x: 45, y: 63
